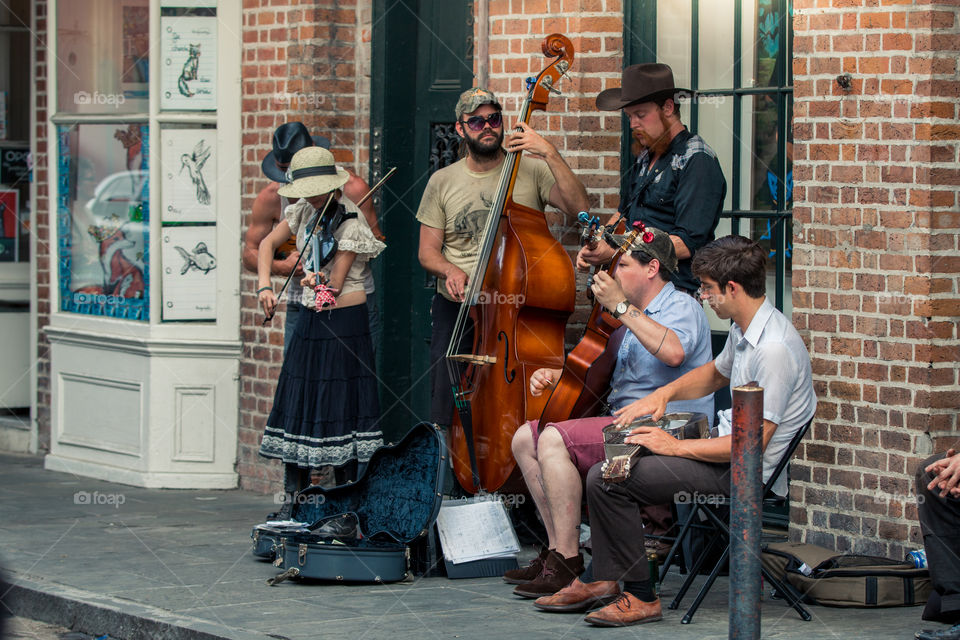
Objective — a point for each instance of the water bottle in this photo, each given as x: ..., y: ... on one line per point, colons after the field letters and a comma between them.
x: 918, y: 558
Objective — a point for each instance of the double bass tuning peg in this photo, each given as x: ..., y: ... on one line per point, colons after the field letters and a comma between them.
x: 546, y: 84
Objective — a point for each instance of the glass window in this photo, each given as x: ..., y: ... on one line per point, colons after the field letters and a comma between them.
x: 103, y: 51
x: 103, y: 219
x: 14, y: 132
x: 736, y: 55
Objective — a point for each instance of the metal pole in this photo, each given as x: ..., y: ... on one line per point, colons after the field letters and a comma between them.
x: 746, y: 459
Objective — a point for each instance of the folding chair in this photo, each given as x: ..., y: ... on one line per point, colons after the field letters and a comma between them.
x: 720, y: 527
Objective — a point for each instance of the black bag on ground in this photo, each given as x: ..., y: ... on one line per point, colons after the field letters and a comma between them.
x: 822, y: 577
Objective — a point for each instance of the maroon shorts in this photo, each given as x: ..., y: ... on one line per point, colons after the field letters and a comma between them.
x: 583, y: 439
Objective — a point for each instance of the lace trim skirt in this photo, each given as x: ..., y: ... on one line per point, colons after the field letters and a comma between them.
x: 325, y: 409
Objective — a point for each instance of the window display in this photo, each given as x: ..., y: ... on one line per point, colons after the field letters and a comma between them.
x: 103, y: 219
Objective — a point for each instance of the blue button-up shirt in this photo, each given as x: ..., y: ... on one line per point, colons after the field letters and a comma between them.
x: 772, y: 354
x: 639, y: 373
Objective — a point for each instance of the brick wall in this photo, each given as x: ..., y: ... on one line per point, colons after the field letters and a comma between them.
x: 46, y: 252
x: 875, y: 261
x: 587, y: 139
x: 308, y: 61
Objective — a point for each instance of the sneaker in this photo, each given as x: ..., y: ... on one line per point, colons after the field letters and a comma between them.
x: 953, y: 633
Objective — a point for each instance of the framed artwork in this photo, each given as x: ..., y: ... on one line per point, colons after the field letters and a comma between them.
x: 188, y: 49
x: 103, y: 219
x: 189, y: 278
x: 9, y: 221
x: 189, y: 179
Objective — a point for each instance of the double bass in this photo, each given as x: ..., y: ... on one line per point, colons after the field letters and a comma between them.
x: 588, y: 367
x: 517, y: 303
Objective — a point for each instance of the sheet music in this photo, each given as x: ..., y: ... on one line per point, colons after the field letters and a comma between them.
x: 188, y: 46
x: 189, y: 175
x: 475, y: 529
x: 189, y: 273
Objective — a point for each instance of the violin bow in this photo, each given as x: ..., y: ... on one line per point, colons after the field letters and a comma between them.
x: 316, y: 221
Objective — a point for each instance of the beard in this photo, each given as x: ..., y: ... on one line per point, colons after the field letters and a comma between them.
x: 657, y: 146
x: 484, y: 148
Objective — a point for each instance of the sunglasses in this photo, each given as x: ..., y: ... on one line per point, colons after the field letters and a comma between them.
x: 476, y: 123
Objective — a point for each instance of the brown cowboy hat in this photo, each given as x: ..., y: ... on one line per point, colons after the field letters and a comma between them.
x: 641, y: 83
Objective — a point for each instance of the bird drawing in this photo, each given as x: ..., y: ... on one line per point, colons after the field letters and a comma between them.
x: 200, y: 259
x: 193, y: 163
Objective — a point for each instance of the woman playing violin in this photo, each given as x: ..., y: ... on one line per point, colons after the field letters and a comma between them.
x: 325, y: 409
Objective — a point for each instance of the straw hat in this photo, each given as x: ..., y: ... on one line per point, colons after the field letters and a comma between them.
x: 313, y: 173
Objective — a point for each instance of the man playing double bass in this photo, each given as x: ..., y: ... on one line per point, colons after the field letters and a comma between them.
x: 455, y: 205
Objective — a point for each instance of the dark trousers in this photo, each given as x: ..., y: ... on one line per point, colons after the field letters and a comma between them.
x: 940, y: 524
x: 443, y: 314
x: 616, y: 509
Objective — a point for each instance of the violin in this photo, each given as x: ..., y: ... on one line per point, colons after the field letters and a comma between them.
x: 518, y: 300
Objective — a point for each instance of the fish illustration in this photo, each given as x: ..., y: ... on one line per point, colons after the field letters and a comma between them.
x: 200, y: 259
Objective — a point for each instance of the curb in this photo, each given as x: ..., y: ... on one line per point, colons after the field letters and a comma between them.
x: 95, y: 614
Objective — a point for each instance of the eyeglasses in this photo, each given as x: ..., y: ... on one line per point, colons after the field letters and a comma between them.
x: 476, y: 123
x: 708, y: 289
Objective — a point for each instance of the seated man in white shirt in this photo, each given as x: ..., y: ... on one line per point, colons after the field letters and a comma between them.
x: 763, y: 346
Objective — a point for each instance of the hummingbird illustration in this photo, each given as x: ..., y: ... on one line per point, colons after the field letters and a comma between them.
x: 193, y: 163
x: 200, y: 259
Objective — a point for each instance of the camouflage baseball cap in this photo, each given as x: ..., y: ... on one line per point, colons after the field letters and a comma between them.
x: 471, y: 100
x: 654, y: 243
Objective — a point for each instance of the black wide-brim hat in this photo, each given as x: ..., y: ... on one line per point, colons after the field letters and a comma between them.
x: 287, y: 140
x: 641, y: 83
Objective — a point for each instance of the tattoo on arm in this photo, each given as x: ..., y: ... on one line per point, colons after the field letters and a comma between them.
x: 634, y: 313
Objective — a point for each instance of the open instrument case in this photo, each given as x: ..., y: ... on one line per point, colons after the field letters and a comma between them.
x: 395, y: 502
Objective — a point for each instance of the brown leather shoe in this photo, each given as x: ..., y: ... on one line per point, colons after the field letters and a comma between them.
x: 625, y: 611
x: 527, y: 573
x: 557, y: 572
x: 580, y: 596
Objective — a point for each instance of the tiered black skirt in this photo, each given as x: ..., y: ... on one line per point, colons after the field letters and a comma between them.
x: 325, y: 409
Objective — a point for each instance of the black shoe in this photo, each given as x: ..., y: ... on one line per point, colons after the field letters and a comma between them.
x: 953, y: 633
x: 343, y: 527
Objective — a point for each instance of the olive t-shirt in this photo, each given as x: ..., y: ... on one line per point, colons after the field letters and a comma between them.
x: 458, y: 201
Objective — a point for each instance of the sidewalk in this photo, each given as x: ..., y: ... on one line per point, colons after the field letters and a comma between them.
x: 164, y: 564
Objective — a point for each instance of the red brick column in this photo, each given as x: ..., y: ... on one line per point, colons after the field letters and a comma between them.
x: 875, y: 264
x: 309, y: 62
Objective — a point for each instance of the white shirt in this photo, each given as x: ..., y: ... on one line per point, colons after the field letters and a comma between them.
x: 772, y: 354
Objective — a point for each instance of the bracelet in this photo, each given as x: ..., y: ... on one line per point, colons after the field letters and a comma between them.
x: 661, y: 342
x: 264, y: 289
